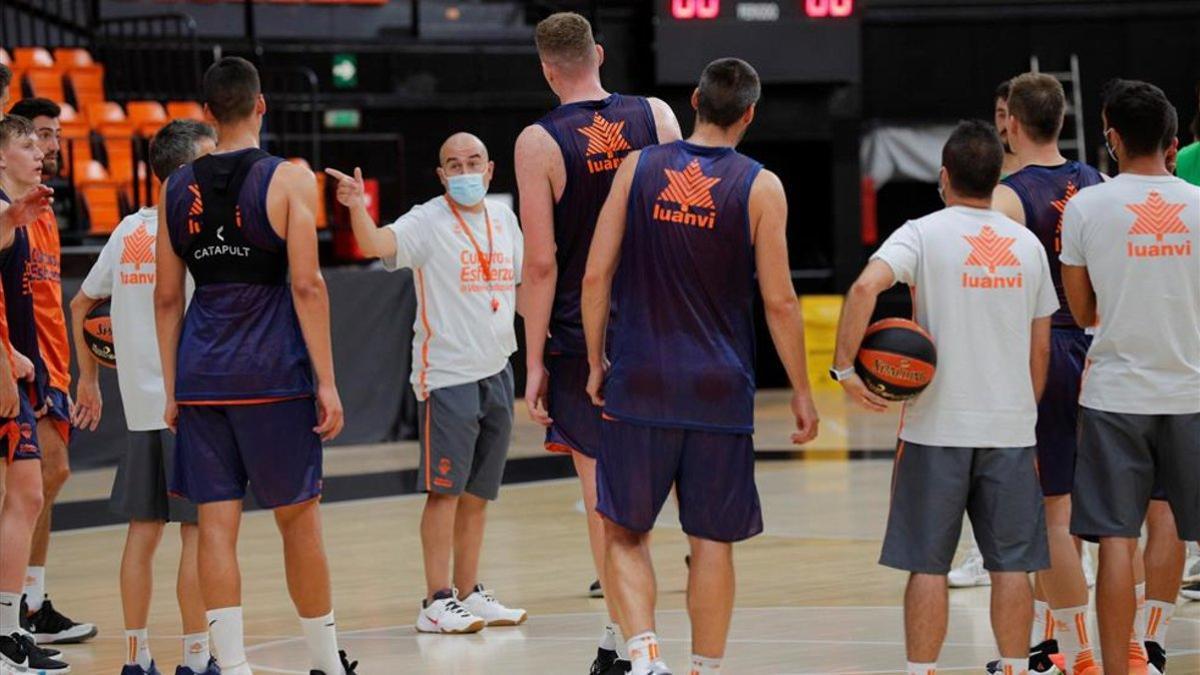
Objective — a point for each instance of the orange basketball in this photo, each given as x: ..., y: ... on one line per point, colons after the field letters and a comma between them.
x: 97, y: 332
x: 897, y: 359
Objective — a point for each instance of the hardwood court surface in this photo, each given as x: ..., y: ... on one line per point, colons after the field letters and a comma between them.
x: 811, y: 598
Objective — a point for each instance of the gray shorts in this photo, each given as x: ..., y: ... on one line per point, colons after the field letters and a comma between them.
x: 464, y: 433
x: 140, y: 488
x: 998, y: 488
x: 1121, y: 458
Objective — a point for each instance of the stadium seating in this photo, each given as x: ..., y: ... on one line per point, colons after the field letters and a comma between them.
x: 101, y: 198
x: 147, y: 117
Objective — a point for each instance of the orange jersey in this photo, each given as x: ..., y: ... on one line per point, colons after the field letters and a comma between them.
x: 43, y: 273
x: 4, y: 343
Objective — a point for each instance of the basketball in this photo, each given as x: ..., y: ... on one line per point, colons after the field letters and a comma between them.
x: 97, y: 332
x: 897, y: 359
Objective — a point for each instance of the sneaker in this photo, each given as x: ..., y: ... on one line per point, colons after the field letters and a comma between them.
x: 445, y: 614
x: 347, y: 665
x: 609, y: 663
x: 970, y: 572
x: 22, y: 653
x: 483, y: 604
x: 50, y: 627
x: 212, y: 669
x: 1157, y: 656
x: 594, y: 591
x: 1138, y: 663
x: 1041, y: 660
x: 619, y: 667
x: 1089, y: 570
x: 135, y: 669
x: 1191, y: 591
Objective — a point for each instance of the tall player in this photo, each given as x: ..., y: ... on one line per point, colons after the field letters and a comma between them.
x: 565, y: 164
x: 48, y: 625
x: 238, y: 367
x: 689, y: 224
x: 1131, y: 262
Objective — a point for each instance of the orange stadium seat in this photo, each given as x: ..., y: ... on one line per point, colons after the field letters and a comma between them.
x: 33, y: 57
x: 72, y: 57
x: 87, y: 82
x: 108, y: 117
x: 76, y: 137
x: 147, y: 117
x: 101, y: 197
x: 185, y: 110
x: 322, y: 216
x: 119, y: 148
x: 46, y: 82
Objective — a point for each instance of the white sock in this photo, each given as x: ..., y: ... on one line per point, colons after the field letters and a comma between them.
x: 609, y: 639
x: 702, y: 665
x: 10, y: 613
x: 1136, y: 639
x: 35, y: 588
x: 1042, y: 628
x: 1073, y: 640
x: 321, y: 635
x: 195, y: 652
x: 922, y: 668
x: 137, y: 645
x: 228, y: 638
x: 643, y: 652
x: 1014, y: 666
x: 1158, y: 615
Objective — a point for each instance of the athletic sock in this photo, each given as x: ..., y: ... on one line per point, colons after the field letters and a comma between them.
x: 321, y: 635
x: 35, y: 588
x: 1073, y: 641
x: 922, y: 668
x: 228, y: 639
x: 196, y: 652
x: 1137, y: 650
x: 10, y: 613
x: 608, y: 640
x: 643, y: 652
x: 138, y: 645
x: 1043, y: 623
x: 702, y: 665
x: 1014, y: 666
x: 1158, y: 615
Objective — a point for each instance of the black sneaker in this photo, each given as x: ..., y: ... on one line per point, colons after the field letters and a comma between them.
x: 38, y: 661
x: 12, y: 653
x: 1157, y: 656
x: 347, y: 665
x: 619, y: 667
x: 50, y: 627
x: 594, y: 591
x: 605, y: 658
x: 1039, y: 660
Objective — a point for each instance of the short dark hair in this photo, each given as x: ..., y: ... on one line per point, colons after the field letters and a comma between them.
x: 14, y: 126
x: 973, y: 157
x: 565, y: 40
x: 1038, y: 102
x: 36, y: 107
x: 231, y: 88
x: 728, y: 87
x: 175, y: 145
x: 6, y: 76
x: 1141, y: 114
x: 1002, y: 90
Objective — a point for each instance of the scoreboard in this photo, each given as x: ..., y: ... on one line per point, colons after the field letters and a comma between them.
x: 787, y: 41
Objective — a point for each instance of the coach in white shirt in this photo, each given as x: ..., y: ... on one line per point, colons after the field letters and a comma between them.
x: 465, y: 253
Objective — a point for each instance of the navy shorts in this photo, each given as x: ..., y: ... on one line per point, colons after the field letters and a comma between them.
x: 713, y: 476
x: 1058, y: 411
x: 271, y: 446
x: 58, y: 411
x: 576, y: 426
x: 18, y: 436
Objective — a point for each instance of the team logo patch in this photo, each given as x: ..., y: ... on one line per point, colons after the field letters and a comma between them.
x: 991, y: 252
x: 137, y: 249
x: 444, y: 466
x: 607, y: 146
x: 1157, y: 218
x: 691, y: 191
x: 1060, y: 205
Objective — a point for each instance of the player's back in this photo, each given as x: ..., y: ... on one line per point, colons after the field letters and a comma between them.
x: 683, y: 339
x: 241, y: 338
x: 593, y: 138
x: 1044, y: 192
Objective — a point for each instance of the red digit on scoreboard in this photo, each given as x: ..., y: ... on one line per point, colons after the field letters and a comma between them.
x: 695, y: 9
x: 819, y: 9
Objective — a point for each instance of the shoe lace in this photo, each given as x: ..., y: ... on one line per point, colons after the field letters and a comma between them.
x: 347, y: 665
x: 31, y: 648
x: 50, y: 620
x: 453, y: 607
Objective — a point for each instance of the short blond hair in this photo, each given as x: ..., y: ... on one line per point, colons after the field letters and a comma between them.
x: 565, y: 40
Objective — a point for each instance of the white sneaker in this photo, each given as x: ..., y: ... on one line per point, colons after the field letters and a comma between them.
x: 483, y: 604
x: 447, y: 615
x: 1089, y: 570
x: 970, y: 572
x: 1191, y: 569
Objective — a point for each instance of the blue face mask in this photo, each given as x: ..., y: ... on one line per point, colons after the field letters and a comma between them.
x: 466, y: 189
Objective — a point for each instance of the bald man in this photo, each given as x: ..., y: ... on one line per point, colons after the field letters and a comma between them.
x: 465, y: 253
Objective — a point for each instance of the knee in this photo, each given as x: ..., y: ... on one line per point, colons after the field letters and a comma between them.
x: 297, y: 517
x: 25, y: 498
x: 622, y: 537
x: 54, y: 475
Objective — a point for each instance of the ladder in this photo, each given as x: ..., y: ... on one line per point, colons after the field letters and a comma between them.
x: 1071, y: 140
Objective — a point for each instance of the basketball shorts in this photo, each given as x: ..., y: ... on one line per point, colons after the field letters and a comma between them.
x: 18, y: 435
x: 465, y: 432
x: 1122, y: 457
x: 1058, y: 411
x: 932, y: 486
x: 576, y: 426
x: 271, y: 446
x: 712, y: 473
x: 139, y: 491
x: 58, y: 411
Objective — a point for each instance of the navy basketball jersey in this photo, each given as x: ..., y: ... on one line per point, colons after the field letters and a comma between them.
x: 1044, y: 192
x: 241, y: 339
x: 18, y: 307
x: 593, y: 137
x: 682, y: 348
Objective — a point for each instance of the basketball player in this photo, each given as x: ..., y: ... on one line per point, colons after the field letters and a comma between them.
x: 689, y: 224
x: 1131, y: 257
x: 466, y: 296
x: 1000, y: 114
x: 48, y: 625
x: 124, y: 272
x: 238, y: 367
x: 982, y: 286
x: 22, y: 200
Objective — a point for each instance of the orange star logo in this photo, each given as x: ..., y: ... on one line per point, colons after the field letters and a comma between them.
x: 990, y: 250
x: 137, y: 248
x: 196, y: 210
x: 689, y: 188
x: 604, y: 137
x: 1060, y: 205
x: 1155, y: 216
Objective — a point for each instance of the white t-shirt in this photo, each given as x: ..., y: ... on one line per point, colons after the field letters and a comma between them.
x: 979, y: 280
x: 1139, y: 238
x: 464, y: 327
x: 125, y: 272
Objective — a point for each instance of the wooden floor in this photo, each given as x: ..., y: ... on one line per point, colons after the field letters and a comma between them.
x: 811, y: 598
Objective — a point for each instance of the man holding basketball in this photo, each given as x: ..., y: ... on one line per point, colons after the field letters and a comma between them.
x: 982, y: 289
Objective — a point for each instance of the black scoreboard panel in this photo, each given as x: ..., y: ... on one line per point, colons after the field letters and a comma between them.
x: 787, y: 41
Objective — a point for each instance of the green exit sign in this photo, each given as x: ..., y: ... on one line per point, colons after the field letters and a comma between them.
x: 343, y: 118
x: 345, y: 71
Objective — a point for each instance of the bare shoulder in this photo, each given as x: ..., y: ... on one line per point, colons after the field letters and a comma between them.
x: 290, y: 175
x: 665, y: 122
x: 534, y: 138
x: 766, y: 184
